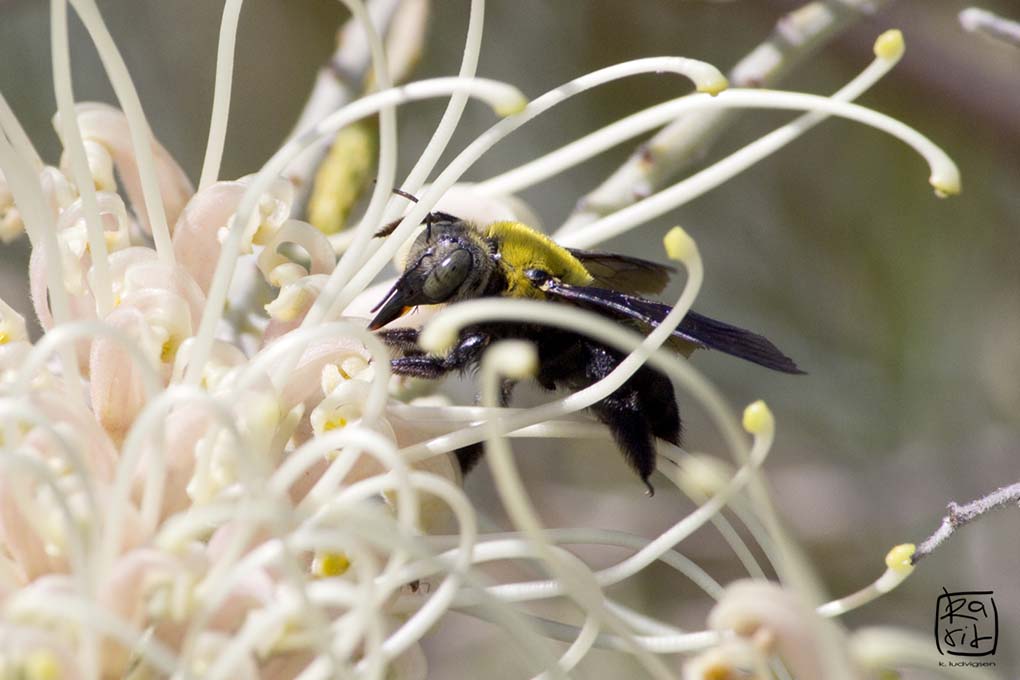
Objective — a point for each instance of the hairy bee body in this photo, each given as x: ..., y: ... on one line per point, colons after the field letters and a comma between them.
x: 453, y: 261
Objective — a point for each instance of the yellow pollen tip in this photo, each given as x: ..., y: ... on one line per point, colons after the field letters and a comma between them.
x: 41, y: 665
x: 511, y: 106
x: 758, y: 418
x: 946, y: 186
x: 890, y: 45
x: 328, y: 565
x: 898, y: 559
x: 4, y: 338
x: 167, y: 351
x: 679, y: 245
x: 718, y: 671
x: 334, y: 424
x: 715, y: 86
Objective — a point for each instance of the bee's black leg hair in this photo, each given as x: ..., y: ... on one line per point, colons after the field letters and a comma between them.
x: 468, y: 456
x: 403, y: 340
x: 643, y: 408
x: 659, y: 405
x: 506, y: 390
x: 468, y: 350
x: 621, y: 412
x: 420, y: 366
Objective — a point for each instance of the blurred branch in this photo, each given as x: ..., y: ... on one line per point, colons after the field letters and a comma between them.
x: 983, y: 22
x: 348, y: 74
x: 796, y: 36
x: 959, y: 515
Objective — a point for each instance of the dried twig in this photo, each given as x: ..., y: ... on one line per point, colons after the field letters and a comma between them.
x: 796, y: 36
x: 959, y: 515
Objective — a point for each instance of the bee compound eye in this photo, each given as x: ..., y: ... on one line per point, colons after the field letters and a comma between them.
x: 536, y: 276
x: 446, y: 277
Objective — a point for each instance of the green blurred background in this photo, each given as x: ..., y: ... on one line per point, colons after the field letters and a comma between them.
x: 904, y: 308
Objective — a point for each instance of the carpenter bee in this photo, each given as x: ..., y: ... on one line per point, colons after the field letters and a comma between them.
x: 452, y: 260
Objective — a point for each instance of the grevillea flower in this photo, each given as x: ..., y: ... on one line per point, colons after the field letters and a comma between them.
x: 208, y: 470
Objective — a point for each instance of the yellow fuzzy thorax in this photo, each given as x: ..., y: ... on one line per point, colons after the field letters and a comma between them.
x: 522, y: 248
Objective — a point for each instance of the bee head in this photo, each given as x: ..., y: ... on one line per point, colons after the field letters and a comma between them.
x: 443, y: 266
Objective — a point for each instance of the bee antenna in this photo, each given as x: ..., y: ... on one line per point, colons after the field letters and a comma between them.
x: 404, y: 194
x: 429, y: 219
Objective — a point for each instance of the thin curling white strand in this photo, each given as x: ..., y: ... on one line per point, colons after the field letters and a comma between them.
x: 451, y: 116
x: 578, y: 649
x: 32, y: 540
x: 70, y: 134
x: 496, y: 94
x: 141, y: 135
x: 267, y: 555
x: 428, y: 615
x: 149, y: 423
x: 387, y: 162
x: 262, y: 630
x: 300, y: 338
x: 221, y: 93
x: 898, y: 568
x: 698, y: 476
x: 494, y: 545
x: 364, y: 624
x: 75, y: 459
x: 516, y: 360
x: 944, y: 174
x: 422, y: 620
x: 888, y: 49
x: 64, y: 336
x: 87, y: 615
x: 19, y: 139
x: 280, y: 523
x: 656, y: 548
x: 353, y: 443
x: 12, y: 462
x: 760, y: 447
x: 24, y: 184
x: 665, y: 641
x: 322, y: 259
x: 339, y: 293
x: 362, y: 521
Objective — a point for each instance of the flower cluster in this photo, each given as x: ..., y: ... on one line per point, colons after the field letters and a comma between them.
x: 208, y: 470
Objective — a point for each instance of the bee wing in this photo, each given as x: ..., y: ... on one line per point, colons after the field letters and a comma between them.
x: 695, y: 328
x: 624, y: 273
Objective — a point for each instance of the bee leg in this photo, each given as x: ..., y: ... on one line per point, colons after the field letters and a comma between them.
x: 468, y: 456
x: 403, y: 340
x: 622, y: 413
x: 506, y: 391
x: 467, y: 352
x: 658, y: 403
x: 420, y: 366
